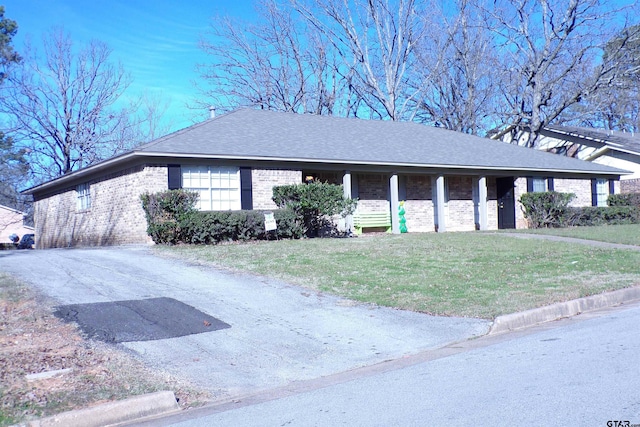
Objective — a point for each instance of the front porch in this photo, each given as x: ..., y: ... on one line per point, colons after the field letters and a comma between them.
x: 438, y: 203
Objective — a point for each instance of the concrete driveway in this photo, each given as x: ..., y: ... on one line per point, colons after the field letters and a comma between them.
x: 278, y: 332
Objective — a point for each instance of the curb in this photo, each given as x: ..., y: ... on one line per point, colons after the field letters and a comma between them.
x: 511, y: 322
x: 114, y: 413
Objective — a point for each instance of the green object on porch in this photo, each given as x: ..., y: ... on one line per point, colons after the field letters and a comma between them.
x: 402, y: 220
x: 371, y: 220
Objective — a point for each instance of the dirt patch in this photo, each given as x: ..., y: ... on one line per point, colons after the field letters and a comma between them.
x: 47, y: 367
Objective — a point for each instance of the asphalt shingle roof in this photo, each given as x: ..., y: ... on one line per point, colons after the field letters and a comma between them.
x: 261, y: 134
x: 249, y: 134
x: 613, y: 139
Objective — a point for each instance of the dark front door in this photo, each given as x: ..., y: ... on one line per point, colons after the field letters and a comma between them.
x: 506, y: 203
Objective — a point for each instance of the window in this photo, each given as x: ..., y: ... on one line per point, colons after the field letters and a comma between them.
x: 83, y: 196
x: 218, y: 187
x: 602, y: 192
x: 539, y: 185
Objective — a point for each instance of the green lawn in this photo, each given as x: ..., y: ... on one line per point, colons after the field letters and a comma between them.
x: 625, y: 234
x: 462, y: 274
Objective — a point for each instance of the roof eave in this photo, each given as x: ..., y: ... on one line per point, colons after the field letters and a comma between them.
x: 80, y: 173
x: 613, y: 172
x: 142, y: 154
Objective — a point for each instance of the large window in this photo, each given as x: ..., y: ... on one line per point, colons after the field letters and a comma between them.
x: 218, y: 187
x: 83, y: 197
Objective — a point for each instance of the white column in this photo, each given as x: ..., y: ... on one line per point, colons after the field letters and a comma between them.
x: 482, y: 202
x: 440, y: 201
x: 393, y: 186
x: 346, y: 190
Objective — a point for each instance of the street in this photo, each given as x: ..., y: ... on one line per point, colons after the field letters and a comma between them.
x: 575, y: 372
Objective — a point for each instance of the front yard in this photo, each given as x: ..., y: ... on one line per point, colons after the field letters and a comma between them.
x: 454, y: 274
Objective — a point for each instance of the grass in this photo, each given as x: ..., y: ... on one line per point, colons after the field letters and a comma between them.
x: 457, y: 274
x: 628, y: 234
x: 33, y: 340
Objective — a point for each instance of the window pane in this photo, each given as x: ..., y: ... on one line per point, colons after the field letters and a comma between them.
x: 602, y: 190
x: 539, y: 185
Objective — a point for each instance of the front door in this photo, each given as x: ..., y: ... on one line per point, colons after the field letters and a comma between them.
x: 506, y: 203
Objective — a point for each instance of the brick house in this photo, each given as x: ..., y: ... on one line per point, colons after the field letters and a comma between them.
x: 449, y: 181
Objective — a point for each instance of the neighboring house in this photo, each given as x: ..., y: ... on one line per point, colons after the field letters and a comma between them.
x: 450, y: 181
x: 617, y: 149
x: 12, y: 222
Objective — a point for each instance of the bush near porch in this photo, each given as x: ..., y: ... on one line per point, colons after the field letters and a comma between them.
x: 551, y: 210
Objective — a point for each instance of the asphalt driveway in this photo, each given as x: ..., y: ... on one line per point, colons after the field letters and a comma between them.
x: 277, y: 333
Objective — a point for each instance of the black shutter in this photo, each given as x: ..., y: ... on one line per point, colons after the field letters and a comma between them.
x: 246, y: 189
x: 529, y: 185
x: 175, y: 177
x: 612, y: 186
x: 594, y: 192
x: 550, y: 184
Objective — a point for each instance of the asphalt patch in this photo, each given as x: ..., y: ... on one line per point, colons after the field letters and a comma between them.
x: 139, y: 320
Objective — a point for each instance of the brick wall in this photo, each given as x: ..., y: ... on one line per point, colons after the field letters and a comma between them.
x: 373, y: 191
x: 263, y: 181
x: 580, y: 187
x: 630, y: 185
x: 419, y: 204
x: 492, y: 204
x: 520, y: 187
x: 461, y: 209
x: 115, y: 216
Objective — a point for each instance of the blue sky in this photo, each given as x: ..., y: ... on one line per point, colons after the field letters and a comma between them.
x: 155, y: 40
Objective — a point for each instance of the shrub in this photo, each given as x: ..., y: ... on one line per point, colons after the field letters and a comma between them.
x: 589, y: 216
x: 627, y: 199
x: 314, y: 203
x: 546, y: 209
x: 165, y: 211
x: 213, y: 227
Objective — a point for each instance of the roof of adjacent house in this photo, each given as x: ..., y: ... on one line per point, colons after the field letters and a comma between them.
x: 261, y: 135
x: 11, y: 209
x: 615, y: 140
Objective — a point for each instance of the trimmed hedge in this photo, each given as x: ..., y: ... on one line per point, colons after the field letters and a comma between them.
x: 551, y: 209
x: 627, y: 199
x: 213, y: 227
x: 612, y: 215
x: 172, y: 218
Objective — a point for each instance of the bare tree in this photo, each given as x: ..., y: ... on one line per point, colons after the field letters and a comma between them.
x: 376, y: 40
x: 616, y: 106
x: 61, y: 106
x: 551, y: 52
x: 460, y: 58
x: 280, y: 64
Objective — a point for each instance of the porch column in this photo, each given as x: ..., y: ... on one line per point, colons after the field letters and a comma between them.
x: 346, y: 191
x: 440, y: 201
x: 393, y: 186
x: 482, y: 202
